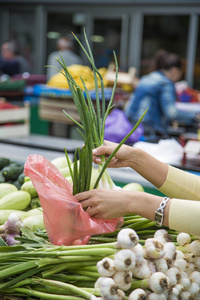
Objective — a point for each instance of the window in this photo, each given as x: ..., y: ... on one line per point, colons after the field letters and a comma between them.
x: 163, y: 31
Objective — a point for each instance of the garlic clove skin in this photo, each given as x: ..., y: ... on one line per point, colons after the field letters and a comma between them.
x: 170, y: 250
x: 172, y: 275
x: 193, y: 289
x: 138, y: 294
x: 181, y: 264
x: 185, y: 295
x: 195, y: 277
x: 162, y: 236
x: 179, y: 254
x: 127, y: 238
x: 139, y: 253
x: 124, y: 260
x: 161, y: 265
x: 106, y: 267
x: 194, y: 247
x: 154, y: 296
x: 99, y: 281
x: 143, y: 270
x: 183, y: 239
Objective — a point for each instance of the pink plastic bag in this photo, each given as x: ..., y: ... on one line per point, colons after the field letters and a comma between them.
x: 65, y: 220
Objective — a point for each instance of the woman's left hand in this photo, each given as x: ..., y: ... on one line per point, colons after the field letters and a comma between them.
x: 104, y: 203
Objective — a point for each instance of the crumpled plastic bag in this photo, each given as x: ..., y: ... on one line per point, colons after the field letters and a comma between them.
x: 168, y: 151
x: 117, y: 126
x: 65, y: 220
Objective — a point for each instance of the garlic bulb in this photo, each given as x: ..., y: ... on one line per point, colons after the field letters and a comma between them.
x: 172, y: 274
x: 138, y: 294
x: 124, y: 260
x: 162, y: 236
x: 159, y: 283
x: 193, y: 289
x: 154, y: 249
x: 106, y: 267
x: 195, y: 277
x: 99, y: 282
x: 183, y: 238
x: 127, y: 238
x: 123, y: 279
x: 110, y: 291
x: 195, y: 247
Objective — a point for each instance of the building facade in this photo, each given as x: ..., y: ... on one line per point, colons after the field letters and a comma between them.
x: 133, y: 29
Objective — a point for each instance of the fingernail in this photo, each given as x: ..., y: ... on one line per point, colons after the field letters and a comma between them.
x: 94, y: 151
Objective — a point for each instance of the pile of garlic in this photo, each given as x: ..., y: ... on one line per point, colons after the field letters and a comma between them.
x: 158, y: 270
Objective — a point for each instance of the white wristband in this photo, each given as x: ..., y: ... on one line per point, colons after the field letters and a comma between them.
x: 159, y: 216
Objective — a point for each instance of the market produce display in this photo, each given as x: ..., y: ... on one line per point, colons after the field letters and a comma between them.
x: 136, y: 261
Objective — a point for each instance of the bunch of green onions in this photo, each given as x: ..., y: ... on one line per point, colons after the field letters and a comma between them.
x: 91, y: 125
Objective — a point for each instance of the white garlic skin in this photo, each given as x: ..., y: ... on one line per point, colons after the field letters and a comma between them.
x: 183, y: 239
x: 127, y: 238
x: 124, y: 260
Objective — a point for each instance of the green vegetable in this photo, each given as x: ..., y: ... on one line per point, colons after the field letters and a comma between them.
x: 34, y: 222
x: 21, y: 178
x: 35, y: 202
x: 60, y: 162
x: 92, y: 125
x: 7, y: 188
x: 16, y: 200
x: 4, y: 162
x: 17, y: 184
x: 2, y: 178
x: 29, y: 187
x: 34, y: 212
x: 12, y: 171
x: 4, y: 214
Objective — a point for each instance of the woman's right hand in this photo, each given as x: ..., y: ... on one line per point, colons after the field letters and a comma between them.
x: 123, y: 157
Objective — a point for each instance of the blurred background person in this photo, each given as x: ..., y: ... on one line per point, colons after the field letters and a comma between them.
x: 156, y: 91
x: 65, y: 46
x: 11, y: 61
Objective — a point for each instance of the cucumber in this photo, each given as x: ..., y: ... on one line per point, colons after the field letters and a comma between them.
x: 4, y: 162
x: 2, y: 178
x: 7, y: 188
x: 29, y: 187
x: 16, y: 200
x: 4, y: 214
x: 12, y: 172
x: 17, y: 184
x: 21, y: 178
x: 34, y: 222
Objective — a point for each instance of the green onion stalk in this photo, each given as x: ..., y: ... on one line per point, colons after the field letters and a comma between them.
x: 91, y: 125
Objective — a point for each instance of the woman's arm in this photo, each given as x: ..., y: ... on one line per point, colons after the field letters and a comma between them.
x: 146, y: 165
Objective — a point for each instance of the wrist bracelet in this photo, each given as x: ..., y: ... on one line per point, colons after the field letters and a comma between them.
x: 159, y: 216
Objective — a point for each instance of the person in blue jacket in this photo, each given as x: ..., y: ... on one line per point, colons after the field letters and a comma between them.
x: 156, y: 91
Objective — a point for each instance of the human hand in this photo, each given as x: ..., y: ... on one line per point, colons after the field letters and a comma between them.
x: 122, y: 158
x: 105, y: 203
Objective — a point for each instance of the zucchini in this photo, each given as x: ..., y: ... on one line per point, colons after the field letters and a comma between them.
x: 4, y: 214
x: 17, y: 200
x: 34, y: 222
x: 4, y: 162
x: 29, y: 187
x: 34, y: 212
x: 12, y: 171
x: 60, y: 162
x: 17, y: 184
x: 7, y: 188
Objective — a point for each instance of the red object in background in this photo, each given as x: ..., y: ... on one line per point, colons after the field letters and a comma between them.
x: 189, y: 95
x: 7, y: 105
